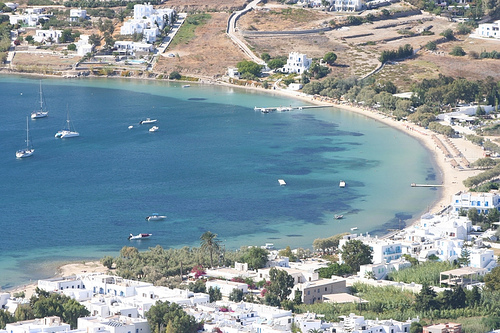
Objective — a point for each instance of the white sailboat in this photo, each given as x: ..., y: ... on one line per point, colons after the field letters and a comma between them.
x: 68, y: 131
x: 40, y: 113
x: 28, y: 151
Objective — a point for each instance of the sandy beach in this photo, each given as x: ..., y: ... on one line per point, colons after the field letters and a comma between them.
x: 70, y: 269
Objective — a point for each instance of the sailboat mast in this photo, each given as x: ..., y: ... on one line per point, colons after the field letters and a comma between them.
x: 27, y: 134
x: 41, y: 98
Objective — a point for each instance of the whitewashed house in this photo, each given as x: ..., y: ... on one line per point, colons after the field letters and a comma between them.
x: 12, y: 5
x: 83, y: 46
x: 47, y: 324
x: 491, y: 30
x: 132, y: 48
x: 76, y: 15
x: 26, y: 19
x: 384, y: 250
x: 116, y: 324
x: 60, y: 284
x: 227, y: 287
x: 47, y: 36
x: 358, y: 324
x: 482, y: 258
x: 380, y: 271
x: 148, y: 21
x: 297, y: 63
x: 348, y: 5
x: 299, y: 276
x: 483, y: 202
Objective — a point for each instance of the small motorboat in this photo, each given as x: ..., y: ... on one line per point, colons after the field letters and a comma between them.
x: 354, y: 228
x: 338, y: 217
x: 139, y: 236
x: 154, y: 129
x: 130, y: 127
x: 148, y: 121
x: 155, y: 217
x: 281, y: 182
x: 342, y: 184
x: 186, y: 86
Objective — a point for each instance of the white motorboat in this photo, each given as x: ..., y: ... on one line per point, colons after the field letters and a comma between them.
x: 28, y: 151
x: 281, y: 182
x: 42, y: 113
x: 155, y: 217
x: 342, y: 184
x: 338, y: 217
x: 130, y: 127
x: 154, y: 129
x: 354, y: 228
x: 139, y: 236
x: 186, y: 86
x: 148, y: 121
x: 68, y: 131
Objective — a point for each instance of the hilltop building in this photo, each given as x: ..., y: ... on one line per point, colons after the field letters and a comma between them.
x: 490, y: 30
x: 148, y: 21
x: 297, y: 63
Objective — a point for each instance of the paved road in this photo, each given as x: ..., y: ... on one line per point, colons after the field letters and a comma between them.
x: 231, y: 29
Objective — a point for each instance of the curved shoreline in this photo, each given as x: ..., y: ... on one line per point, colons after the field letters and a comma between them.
x: 451, y: 177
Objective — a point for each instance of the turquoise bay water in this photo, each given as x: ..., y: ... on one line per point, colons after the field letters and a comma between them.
x: 213, y: 165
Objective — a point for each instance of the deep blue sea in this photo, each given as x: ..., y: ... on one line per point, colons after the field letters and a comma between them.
x: 213, y: 165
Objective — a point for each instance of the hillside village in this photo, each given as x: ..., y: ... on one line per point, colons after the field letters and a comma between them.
x: 434, y: 64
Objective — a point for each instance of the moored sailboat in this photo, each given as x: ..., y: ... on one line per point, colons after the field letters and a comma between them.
x: 68, y: 131
x: 28, y: 151
x: 42, y: 113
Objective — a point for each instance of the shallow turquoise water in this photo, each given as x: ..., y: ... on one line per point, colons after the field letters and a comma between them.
x: 213, y: 165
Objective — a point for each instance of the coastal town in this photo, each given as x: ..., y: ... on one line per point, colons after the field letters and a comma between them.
x: 426, y: 68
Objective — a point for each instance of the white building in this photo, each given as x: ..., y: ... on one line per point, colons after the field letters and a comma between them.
x: 148, y: 21
x: 27, y: 19
x: 380, y: 271
x: 132, y: 48
x: 299, y: 276
x: 358, y: 324
x: 482, y: 258
x: 384, y: 250
x: 47, y: 36
x: 12, y: 5
x: 60, y: 284
x: 227, y: 287
x: 483, y: 202
x: 491, y: 30
x: 83, y: 46
x: 348, y: 5
x: 77, y: 14
x: 115, y: 324
x: 297, y: 63
x: 47, y: 324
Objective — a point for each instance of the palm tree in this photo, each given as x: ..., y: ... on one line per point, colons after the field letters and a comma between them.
x: 210, y: 243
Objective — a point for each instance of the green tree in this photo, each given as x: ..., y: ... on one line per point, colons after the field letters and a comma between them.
x: 236, y: 295
x: 164, y: 314
x: 174, y: 75
x: 493, y: 215
x: 210, y: 243
x: 72, y: 47
x: 265, y: 56
x: 5, y: 318
x: 426, y: 299
x: 95, y: 39
x: 464, y: 259
x: 448, y: 34
x: 457, y: 51
x: 281, y: 283
x: 330, y: 58
x: 255, y: 257
x: 431, y: 46
x: 416, y: 327
x: 276, y: 63
x: 474, y: 216
x: 72, y: 310
x: 473, y: 296
x: 355, y: 253
x: 214, y: 294
x: 334, y: 269
x: 24, y: 312
x: 250, y: 67
x: 287, y: 252
x: 492, y: 279
x: 198, y: 286
x: 107, y: 262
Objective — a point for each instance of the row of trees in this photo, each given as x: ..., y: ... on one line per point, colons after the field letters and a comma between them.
x: 401, y: 53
